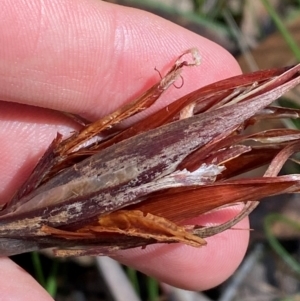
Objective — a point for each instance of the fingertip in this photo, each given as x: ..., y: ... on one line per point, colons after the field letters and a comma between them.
x: 16, y: 284
x: 99, y: 56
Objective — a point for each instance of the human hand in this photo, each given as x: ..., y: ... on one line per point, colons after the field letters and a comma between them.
x: 89, y: 57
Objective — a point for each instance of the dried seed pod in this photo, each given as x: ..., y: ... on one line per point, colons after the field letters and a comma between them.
x: 100, y: 191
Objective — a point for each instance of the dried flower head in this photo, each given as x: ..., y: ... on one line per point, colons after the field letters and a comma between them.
x: 107, y: 188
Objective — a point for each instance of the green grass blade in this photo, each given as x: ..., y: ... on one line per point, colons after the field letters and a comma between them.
x: 281, y: 27
x: 275, y: 244
x: 153, y: 289
x: 132, y: 275
x: 38, y: 268
x: 51, y: 284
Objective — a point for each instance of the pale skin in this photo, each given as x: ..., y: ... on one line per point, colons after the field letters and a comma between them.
x: 89, y: 57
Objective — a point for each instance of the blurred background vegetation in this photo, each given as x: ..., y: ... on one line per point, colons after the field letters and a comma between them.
x: 261, y: 34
